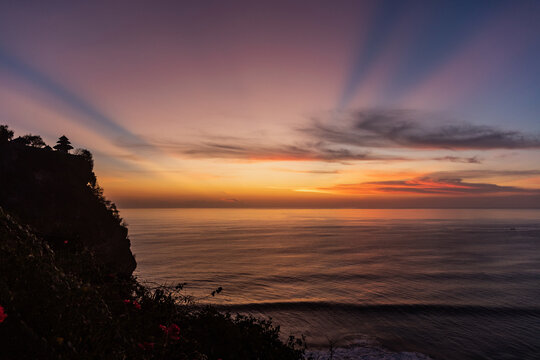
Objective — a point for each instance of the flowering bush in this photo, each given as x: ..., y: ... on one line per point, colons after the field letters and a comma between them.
x: 3, y: 315
x: 85, y: 311
x: 146, y: 345
x: 172, y: 332
x: 135, y: 303
x: 69, y: 291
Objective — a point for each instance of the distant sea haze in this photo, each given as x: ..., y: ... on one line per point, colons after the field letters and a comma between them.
x: 452, y: 284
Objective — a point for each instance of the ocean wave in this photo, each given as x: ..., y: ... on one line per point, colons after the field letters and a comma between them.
x: 383, y: 308
x: 364, y: 352
x: 440, y: 276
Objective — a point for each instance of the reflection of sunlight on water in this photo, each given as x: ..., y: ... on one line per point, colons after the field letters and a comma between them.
x: 455, y: 258
x: 346, y: 256
x: 232, y: 217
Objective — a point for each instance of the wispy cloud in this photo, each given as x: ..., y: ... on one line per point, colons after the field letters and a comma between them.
x: 412, y: 129
x: 316, y: 171
x: 458, y: 159
x: 459, y: 182
x: 354, y: 138
x: 247, y: 149
x: 427, y: 185
x: 479, y: 174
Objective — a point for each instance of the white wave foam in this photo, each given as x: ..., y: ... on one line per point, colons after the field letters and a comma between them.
x: 363, y: 352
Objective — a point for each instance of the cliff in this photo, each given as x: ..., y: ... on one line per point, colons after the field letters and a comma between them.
x: 66, y: 289
x: 57, y: 195
x: 62, y: 304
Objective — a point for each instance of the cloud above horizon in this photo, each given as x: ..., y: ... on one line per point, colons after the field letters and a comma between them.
x: 458, y: 159
x: 485, y: 173
x: 353, y: 137
x: 248, y: 149
x: 427, y: 185
x: 401, y: 128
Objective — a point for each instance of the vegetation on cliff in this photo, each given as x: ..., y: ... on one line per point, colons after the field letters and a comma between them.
x: 57, y: 194
x: 66, y: 284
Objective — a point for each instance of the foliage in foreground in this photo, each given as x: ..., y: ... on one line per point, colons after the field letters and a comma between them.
x: 58, y: 302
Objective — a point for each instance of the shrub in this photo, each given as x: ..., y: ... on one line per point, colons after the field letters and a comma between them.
x: 61, y: 303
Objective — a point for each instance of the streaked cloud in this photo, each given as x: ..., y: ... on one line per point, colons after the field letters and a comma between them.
x: 479, y: 174
x: 427, y: 185
x: 353, y: 137
x: 247, y: 149
x: 458, y: 159
x: 316, y: 171
x: 399, y: 128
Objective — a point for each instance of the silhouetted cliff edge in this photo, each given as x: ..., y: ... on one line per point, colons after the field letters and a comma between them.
x: 56, y: 194
x: 59, y: 299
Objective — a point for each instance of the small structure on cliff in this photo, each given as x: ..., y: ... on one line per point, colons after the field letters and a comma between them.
x: 58, y: 196
x: 63, y: 144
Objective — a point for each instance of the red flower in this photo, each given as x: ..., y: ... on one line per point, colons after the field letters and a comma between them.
x: 135, y: 303
x: 3, y: 315
x: 173, y: 331
x: 146, y: 345
x: 65, y: 241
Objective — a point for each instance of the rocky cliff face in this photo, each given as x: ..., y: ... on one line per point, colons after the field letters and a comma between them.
x: 55, y: 194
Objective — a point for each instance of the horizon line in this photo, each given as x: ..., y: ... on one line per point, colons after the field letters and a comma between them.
x: 328, y: 208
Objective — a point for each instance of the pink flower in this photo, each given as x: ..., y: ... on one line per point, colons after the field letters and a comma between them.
x: 65, y: 241
x: 146, y: 345
x: 172, y: 332
x: 135, y: 303
x: 3, y: 315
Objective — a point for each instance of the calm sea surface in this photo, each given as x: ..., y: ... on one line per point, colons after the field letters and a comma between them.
x: 453, y: 284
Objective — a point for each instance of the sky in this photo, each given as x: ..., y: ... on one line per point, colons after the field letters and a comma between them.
x: 284, y: 103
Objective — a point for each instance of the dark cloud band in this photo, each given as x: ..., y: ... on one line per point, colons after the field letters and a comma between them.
x: 429, y: 185
x: 411, y: 129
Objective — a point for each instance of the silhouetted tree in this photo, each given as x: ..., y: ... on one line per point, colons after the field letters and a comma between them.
x: 30, y: 140
x: 5, y: 133
x: 63, y: 144
x: 19, y: 140
x: 34, y: 141
x: 86, y: 155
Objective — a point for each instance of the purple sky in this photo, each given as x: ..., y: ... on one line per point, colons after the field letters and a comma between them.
x: 284, y: 103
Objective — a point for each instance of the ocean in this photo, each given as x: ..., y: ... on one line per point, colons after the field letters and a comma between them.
x: 390, y: 284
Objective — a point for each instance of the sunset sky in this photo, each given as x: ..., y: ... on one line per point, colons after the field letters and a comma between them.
x: 284, y: 103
